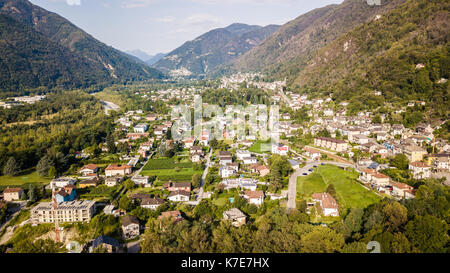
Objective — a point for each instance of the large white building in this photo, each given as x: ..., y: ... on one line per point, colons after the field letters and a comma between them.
x: 73, y: 211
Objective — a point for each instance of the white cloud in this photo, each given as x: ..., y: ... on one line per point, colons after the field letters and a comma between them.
x: 165, y: 19
x: 131, y: 4
x: 73, y: 2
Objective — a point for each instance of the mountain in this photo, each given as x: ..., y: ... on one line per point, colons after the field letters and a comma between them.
x: 56, y: 53
x: 153, y: 59
x: 403, y: 53
x: 351, y: 50
x: 139, y: 54
x: 295, y: 42
x: 216, y: 47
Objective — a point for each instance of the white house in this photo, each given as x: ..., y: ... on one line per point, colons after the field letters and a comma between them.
x: 179, y: 196
x: 241, y: 154
x: 62, y: 182
x: 140, y: 128
x: 254, y: 197
x: 250, y: 160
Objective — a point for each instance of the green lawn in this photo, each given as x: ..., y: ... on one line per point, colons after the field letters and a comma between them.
x: 256, y: 147
x: 350, y: 193
x: 23, y: 179
x: 182, y: 175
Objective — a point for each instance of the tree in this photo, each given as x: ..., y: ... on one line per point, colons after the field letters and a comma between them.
x: 427, y: 233
x: 400, y: 161
x: 32, y: 194
x: 110, y: 144
x: 44, y: 165
x: 196, y: 180
x: 125, y: 203
x: 395, y: 215
x: 52, y: 172
x: 11, y: 168
x: 332, y: 191
x: 322, y: 240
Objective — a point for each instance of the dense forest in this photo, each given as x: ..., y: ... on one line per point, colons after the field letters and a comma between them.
x: 417, y: 225
x: 43, y: 51
x: 404, y: 54
x: 57, y: 126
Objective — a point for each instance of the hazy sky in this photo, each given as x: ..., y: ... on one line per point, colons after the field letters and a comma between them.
x: 155, y: 26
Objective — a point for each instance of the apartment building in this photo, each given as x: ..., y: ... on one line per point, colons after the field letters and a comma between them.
x: 74, y: 211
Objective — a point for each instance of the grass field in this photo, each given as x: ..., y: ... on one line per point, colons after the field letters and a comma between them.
x: 165, y: 163
x: 256, y: 147
x: 32, y: 177
x: 350, y: 193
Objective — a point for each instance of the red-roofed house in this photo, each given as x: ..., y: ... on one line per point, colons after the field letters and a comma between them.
x: 327, y: 203
x: 12, y: 194
x: 120, y: 170
x: 254, y: 197
x: 420, y: 170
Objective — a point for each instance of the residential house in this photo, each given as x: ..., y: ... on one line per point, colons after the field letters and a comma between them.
x: 12, y: 194
x: 175, y: 215
x: 420, y: 170
x: 225, y: 157
x: 140, y: 180
x: 402, y: 190
x: 62, y: 182
x: 380, y: 179
x: 250, y: 160
x: 280, y: 149
x: 312, y: 153
x: 414, y: 153
x: 254, y: 197
x: 331, y: 143
x: 151, y: 203
x: 94, y: 182
x: 226, y: 172
x: 110, y: 244
x: 179, y: 196
x: 236, y: 216
x: 442, y: 164
x: 197, y: 157
x: 113, y: 181
x: 130, y: 227
x: 115, y: 170
x: 89, y: 169
x: 242, y: 154
x: 66, y: 194
x: 136, y: 136
x: 327, y: 203
x: 263, y: 170
x: 180, y: 186
x: 196, y: 150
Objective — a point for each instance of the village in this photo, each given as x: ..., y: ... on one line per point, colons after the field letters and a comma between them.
x: 159, y: 174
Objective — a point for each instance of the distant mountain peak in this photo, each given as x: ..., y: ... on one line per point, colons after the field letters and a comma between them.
x: 214, y: 48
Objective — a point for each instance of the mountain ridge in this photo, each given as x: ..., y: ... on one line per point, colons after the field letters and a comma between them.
x: 114, y: 65
x: 213, y: 48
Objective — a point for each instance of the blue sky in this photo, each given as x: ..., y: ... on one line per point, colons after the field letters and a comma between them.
x: 155, y: 26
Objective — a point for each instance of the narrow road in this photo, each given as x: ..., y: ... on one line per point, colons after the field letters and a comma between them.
x: 205, y: 172
x: 109, y: 106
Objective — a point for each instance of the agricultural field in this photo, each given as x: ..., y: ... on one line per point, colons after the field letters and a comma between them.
x: 350, y: 193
